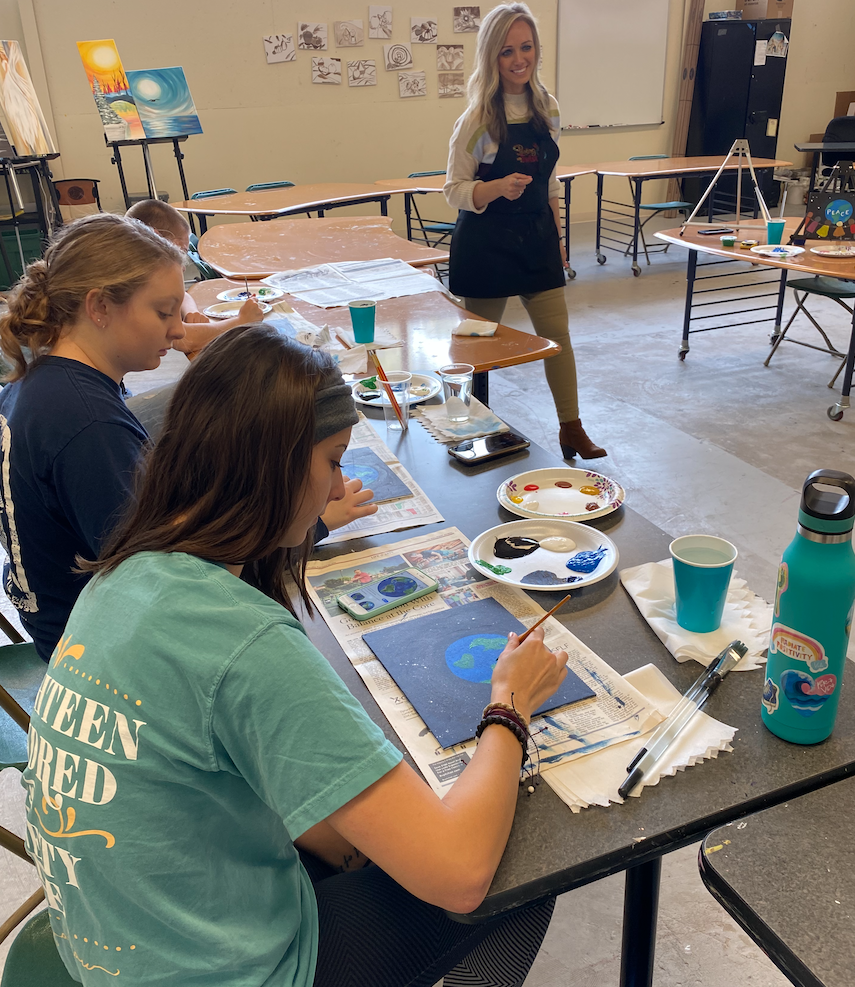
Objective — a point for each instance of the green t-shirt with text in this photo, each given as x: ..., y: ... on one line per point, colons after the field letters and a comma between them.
x: 186, y: 733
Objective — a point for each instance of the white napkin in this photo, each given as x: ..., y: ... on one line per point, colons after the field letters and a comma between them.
x: 746, y: 616
x: 475, y: 327
x: 435, y: 419
x: 595, y: 778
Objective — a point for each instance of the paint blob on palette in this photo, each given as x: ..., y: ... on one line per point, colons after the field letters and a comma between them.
x: 560, y: 492
x: 544, y: 554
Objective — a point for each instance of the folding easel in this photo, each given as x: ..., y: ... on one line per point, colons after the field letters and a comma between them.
x: 741, y: 149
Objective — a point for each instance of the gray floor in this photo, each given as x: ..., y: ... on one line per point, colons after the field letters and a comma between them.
x: 715, y: 444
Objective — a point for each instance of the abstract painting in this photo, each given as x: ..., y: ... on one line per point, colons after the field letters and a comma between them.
x: 112, y: 92
x: 280, y: 48
x: 164, y: 103
x: 362, y: 72
x: 380, y: 23
x: 326, y: 71
x: 312, y: 37
x: 451, y: 85
x: 397, y: 57
x: 412, y: 84
x: 443, y: 664
x: 23, y: 119
x: 423, y: 31
x: 449, y: 58
x: 349, y: 34
x: 467, y: 20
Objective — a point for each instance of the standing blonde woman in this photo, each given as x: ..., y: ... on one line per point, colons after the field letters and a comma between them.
x: 501, y: 176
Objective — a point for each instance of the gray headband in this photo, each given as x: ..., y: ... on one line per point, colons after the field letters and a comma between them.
x: 334, y: 407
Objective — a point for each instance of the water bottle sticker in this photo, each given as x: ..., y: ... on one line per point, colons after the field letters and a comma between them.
x: 783, y: 582
x: 798, y: 647
x: 806, y: 694
x: 770, y: 696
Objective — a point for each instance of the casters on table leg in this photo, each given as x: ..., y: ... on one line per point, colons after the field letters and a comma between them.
x: 571, y: 274
x: 601, y: 259
x: 834, y: 413
x: 684, y: 349
x: 636, y: 270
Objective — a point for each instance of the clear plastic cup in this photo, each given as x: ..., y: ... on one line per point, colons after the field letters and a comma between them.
x: 457, y: 388
x: 399, y: 384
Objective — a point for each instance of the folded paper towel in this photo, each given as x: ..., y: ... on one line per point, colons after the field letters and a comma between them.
x: 475, y: 327
x: 746, y: 616
x: 481, y: 421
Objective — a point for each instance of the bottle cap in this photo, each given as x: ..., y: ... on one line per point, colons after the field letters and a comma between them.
x: 828, y: 502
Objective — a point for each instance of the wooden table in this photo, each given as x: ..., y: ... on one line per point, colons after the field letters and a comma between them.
x: 423, y: 323
x: 551, y: 850
x: 786, y: 876
x: 807, y: 263
x: 639, y: 172
x: 255, y: 250
x: 284, y: 201
x: 565, y: 175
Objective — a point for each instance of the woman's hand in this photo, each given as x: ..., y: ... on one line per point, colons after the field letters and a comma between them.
x: 351, y: 506
x: 512, y: 186
x: 529, y: 672
x: 250, y: 311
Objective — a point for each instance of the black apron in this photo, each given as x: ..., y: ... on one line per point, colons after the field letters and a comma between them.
x: 512, y: 248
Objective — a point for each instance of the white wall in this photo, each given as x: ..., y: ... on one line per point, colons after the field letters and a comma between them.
x: 266, y: 122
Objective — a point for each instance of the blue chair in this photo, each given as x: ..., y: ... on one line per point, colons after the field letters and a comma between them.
x: 33, y: 960
x: 209, y: 194
x: 433, y: 232
x: 207, y: 272
x: 263, y: 187
x: 654, y: 208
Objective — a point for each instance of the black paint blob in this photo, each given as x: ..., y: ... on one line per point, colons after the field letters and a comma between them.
x: 515, y: 547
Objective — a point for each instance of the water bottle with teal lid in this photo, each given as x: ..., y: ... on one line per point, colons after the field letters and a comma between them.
x: 813, y: 613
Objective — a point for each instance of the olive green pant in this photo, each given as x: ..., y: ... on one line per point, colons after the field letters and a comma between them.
x: 548, y: 313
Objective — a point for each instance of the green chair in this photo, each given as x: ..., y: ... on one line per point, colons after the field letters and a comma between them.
x: 832, y: 288
x: 33, y: 960
x: 208, y: 273
x: 654, y: 208
x: 263, y: 187
x: 211, y: 193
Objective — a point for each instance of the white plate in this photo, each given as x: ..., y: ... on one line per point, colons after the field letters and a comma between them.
x: 230, y: 310
x: 422, y: 387
x: 560, y: 502
x: 260, y: 292
x: 777, y: 250
x: 835, y: 250
x: 586, y: 539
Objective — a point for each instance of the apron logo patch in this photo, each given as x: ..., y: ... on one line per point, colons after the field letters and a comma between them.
x: 526, y: 155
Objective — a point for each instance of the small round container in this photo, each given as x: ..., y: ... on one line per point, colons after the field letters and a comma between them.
x: 728, y: 240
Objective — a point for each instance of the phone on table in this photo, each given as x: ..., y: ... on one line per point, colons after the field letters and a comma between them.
x: 488, y: 447
x: 387, y: 592
x: 719, y: 230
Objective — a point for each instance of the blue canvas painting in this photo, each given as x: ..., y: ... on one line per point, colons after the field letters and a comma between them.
x: 164, y: 102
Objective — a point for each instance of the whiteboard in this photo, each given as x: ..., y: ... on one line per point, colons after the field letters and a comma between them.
x: 611, y: 62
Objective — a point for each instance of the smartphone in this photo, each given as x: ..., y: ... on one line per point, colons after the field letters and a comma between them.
x: 386, y: 593
x: 488, y: 447
x: 716, y: 232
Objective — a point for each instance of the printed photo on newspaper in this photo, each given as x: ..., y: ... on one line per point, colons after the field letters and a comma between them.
x: 617, y: 713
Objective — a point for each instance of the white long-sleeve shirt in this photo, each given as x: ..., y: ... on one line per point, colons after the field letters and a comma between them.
x: 471, y: 146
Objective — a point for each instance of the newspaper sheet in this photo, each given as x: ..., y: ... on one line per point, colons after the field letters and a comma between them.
x: 332, y: 285
x: 616, y: 713
x: 410, y: 512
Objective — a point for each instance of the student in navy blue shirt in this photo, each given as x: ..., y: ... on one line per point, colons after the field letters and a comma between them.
x: 104, y: 301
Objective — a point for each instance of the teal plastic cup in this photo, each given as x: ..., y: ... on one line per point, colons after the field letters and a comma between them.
x: 703, y: 565
x: 775, y: 231
x: 362, y: 319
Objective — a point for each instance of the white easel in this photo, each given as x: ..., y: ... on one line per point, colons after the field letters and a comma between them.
x: 741, y: 149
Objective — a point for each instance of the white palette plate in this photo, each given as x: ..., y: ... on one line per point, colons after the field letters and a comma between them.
x: 422, y: 388
x: 562, y: 492
x: 777, y: 250
x: 542, y: 559
x: 260, y: 292
x: 230, y: 310
x: 842, y: 250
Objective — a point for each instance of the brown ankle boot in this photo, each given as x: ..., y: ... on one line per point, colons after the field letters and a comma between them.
x: 575, y: 442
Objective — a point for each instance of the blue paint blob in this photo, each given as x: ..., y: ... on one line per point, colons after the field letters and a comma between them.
x: 473, y: 657
x: 367, y: 474
x: 543, y: 577
x: 586, y: 561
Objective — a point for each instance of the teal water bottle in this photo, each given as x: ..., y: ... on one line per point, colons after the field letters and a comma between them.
x: 813, y: 613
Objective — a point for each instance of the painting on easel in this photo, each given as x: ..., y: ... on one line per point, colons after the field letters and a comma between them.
x: 21, y: 117
x: 163, y: 100
x: 111, y: 89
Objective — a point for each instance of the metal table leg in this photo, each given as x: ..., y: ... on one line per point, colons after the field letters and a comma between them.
x: 640, y: 909
x: 601, y: 257
x: 567, y: 184
x: 638, y: 182
x: 779, y: 314
x: 481, y: 387
x: 408, y: 212
x: 687, y: 312
x: 835, y: 412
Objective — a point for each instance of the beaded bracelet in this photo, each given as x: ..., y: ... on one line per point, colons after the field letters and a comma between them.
x: 512, y: 725
x: 511, y: 710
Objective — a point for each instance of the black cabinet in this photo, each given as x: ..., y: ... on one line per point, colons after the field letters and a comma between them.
x: 735, y: 98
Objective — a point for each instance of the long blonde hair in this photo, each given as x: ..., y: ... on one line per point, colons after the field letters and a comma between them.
x: 486, y: 99
x: 113, y: 255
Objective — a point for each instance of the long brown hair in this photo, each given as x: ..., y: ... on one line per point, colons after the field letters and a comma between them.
x: 116, y: 256
x: 486, y: 98
x: 227, y: 475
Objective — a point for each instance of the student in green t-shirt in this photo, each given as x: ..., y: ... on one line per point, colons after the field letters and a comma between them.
x: 207, y: 803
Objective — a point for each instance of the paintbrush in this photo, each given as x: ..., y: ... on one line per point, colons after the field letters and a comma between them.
x: 539, y: 622
x: 381, y: 373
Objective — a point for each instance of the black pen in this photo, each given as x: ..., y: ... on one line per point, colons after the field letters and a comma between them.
x: 671, y: 727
